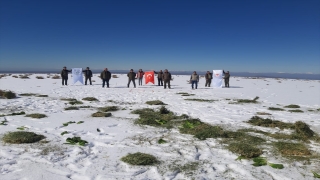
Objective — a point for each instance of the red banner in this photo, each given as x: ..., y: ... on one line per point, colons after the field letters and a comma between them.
x: 149, y: 77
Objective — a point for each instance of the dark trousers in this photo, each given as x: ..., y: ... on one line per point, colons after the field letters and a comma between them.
x: 194, y: 82
x: 64, y: 81
x: 134, y: 82
x: 105, y: 81
x: 208, y: 82
x: 165, y: 84
x: 226, y: 82
x: 160, y: 82
x: 140, y: 81
x: 87, y: 80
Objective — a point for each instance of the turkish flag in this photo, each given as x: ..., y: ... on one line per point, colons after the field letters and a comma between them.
x: 149, y: 77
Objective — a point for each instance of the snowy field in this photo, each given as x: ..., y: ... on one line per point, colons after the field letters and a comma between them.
x: 111, y: 138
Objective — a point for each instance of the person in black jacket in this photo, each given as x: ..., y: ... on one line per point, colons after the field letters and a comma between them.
x: 105, y: 76
x: 160, y: 73
x: 87, y: 75
x: 131, y: 77
x: 64, y: 76
x: 226, y: 78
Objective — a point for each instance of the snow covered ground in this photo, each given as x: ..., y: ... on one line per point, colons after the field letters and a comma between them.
x: 118, y: 136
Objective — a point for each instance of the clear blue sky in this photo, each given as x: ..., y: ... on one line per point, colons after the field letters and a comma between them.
x: 235, y: 35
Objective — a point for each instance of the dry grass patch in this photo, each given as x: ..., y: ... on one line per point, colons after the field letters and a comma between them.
x: 90, y: 99
x: 42, y: 95
x: 19, y: 137
x: 244, y: 149
x: 27, y: 94
x: 155, y: 102
x: 263, y: 113
x: 39, y: 77
x: 56, y: 77
x: 13, y: 114
x: 68, y: 99
x: 292, y: 106
x: 109, y: 108
x: 75, y: 102
x: 242, y: 101
x: 266, y: 122
x: 292, y: 149
x: 140, y: 159
x: 295, y: 110
x: 36, y: 115
x: 101, y: 114
x: 7, y: 94
x: 115, y: 76
x: 200, y: 100
x: 24, y: 77
x: 275, y: 109
x: 71, y: 108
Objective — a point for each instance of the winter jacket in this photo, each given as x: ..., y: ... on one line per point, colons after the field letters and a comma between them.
x: 87, y: 73
x: 166, y: 76
x: 105, y: 75
x: 226, y: 75
x: 140, y: 74
x: 194, y: 77
x: 159, y: 75
x: 208, y: 76
x: 131, y: 75
x: 64, y: 73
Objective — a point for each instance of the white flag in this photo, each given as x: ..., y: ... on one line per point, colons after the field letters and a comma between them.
x: 77, y: 75
x: 217, y: 78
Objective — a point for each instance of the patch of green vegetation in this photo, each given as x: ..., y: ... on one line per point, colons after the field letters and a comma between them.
x: 67, y: 123
x: 36, y: 115
x: 259, y: 161
x: 64, y: 132
x: 160, y: 118
x: 27, y: 94
x: 292, y: 149
x: 13, y: 114
x: 189, y: 167
x: 155, y: 102
x: 84, y: 106
x: 90, y: 99
x: 315, y: 175
x: 4, y: 123
x: 263, y: 113
x: 292, y: 106
x: 295, y: 110
x: 276, y: 166
x: 7, y: 94
x: 182, y: 93
x: 22, y: 128
x: 75, y: 102
x: 266, y: 122
x: 76, y: 140
x: 200, y: 100
x: 303, y: 130
x: 140, y: 159
x: 80, y: 122
x: 71, y: 108
x: 275, y: 109
x: 162, y: 141
x: 42, y: 95
x: 19, y: 137
x: 101, y: 114
x: 242, y: 101
x: 318, y: 109
x: 244, y: 149
x: 109, y: 108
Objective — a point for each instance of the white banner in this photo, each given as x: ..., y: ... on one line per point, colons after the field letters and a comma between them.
x: 217, y: 78
x: 77, y: 75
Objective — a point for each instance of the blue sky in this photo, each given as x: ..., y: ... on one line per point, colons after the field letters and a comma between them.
x: 235, y: 35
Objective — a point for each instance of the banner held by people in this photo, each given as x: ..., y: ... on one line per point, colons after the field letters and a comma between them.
x: 217, y: 79
x: 149, y: 77
x: 77, y: 75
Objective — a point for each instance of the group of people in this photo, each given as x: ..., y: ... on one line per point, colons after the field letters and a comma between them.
x: 164, y: 78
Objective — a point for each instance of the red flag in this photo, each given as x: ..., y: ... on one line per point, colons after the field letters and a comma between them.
x: 149, y: 76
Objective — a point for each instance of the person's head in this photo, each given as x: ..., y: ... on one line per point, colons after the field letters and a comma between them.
x: 166, y: 70
x: 105, y: 69
x: 140, y: 70
x: 194, y: 72
x: 208, y: 71
x: 64, y: 67
x: 160, y: 70
x: 131, y: 70
x: 88, y: 68
x: 227, y: 71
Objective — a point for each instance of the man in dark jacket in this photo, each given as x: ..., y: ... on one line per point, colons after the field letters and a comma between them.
x: 160, y: 73
x: 226, y: 78
x: 87, y: 75
x: 208, y: 77
x: 64, y: 76
x: 105, y: 76
x: 131, y: 77
x: 166, y: 76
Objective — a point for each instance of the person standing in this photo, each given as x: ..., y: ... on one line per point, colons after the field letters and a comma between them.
x: 226, y: 78
x: 87, y: 75
x: 208, y: 77
x: 105, y: 76
x: 159, y: 75
x: 140, y: 76
x: 64, y: 75
x: 131, y: 77
x: 166, y: 76
x: 194, y: 79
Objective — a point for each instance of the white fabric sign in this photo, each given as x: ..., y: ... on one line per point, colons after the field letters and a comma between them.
x: 77, y: 75
x: 217, y: 78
